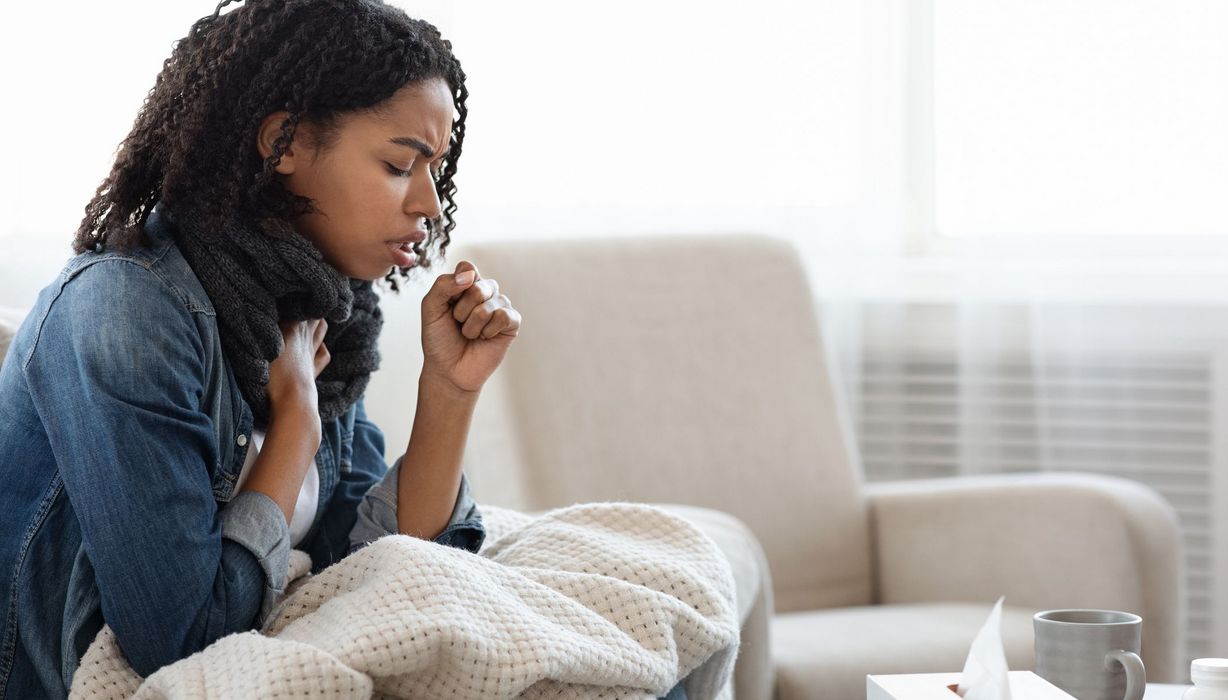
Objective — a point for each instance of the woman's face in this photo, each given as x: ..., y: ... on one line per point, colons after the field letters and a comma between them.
x: 373, y: 186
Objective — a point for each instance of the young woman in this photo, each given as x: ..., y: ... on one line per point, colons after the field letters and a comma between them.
x: 184, y: 403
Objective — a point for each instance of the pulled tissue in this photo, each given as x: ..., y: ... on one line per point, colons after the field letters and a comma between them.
x: 985, y: 671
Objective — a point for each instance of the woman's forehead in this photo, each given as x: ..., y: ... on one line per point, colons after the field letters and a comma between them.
x: 422, y: 111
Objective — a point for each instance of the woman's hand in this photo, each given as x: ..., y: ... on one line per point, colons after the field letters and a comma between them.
x: 467, y: 327
x: 294, y: 431
x: 292, y: 376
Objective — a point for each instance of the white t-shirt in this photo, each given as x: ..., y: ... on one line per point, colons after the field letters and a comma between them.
x: 308, y: 496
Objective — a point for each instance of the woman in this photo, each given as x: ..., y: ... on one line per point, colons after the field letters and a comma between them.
x: 184, y: 403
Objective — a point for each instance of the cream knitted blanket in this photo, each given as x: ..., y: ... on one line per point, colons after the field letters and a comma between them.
x: 601, y: 600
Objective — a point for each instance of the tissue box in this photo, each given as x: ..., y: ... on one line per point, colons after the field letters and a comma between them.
x: 1025, y: 685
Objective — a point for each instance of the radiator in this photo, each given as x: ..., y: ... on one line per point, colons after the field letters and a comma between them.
x: 928, y: 400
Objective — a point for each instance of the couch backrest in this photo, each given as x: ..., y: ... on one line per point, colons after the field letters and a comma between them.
x: 10, y: 319
x: 675, y: 370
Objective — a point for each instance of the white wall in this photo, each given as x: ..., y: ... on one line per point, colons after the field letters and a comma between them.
x: 628, y: 118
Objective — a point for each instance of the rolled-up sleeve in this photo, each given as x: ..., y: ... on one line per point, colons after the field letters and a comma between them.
x: 257, y: 523
x: 376, y: 514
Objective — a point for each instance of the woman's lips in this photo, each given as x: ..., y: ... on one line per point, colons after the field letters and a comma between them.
x: 402, y: 254
x: 417, y: 236
x: 402, y: 248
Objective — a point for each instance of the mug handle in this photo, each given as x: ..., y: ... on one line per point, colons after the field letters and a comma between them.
x: 1136, y: 675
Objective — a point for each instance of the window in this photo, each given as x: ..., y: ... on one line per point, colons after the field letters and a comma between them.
x: 1098, y: 118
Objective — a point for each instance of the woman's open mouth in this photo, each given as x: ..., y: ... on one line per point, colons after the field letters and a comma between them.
x: 402, y: 254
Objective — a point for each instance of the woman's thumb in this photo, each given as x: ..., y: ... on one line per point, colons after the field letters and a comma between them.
x: 448, y: 287
x: 465, y: 273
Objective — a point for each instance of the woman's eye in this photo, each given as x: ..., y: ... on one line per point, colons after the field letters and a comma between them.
x: 397, y: 171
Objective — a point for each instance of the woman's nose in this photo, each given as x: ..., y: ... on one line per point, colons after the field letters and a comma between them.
x: 422, y: 198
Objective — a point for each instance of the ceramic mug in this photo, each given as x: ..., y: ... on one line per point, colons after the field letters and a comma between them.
x: 1091, y: 654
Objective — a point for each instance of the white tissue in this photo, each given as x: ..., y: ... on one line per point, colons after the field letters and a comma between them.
x: 985, y: 672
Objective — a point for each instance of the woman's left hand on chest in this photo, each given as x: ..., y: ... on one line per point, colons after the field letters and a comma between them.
x: 466, y: 328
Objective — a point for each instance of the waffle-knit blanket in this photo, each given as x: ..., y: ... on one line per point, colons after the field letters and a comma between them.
x: 598, y: 600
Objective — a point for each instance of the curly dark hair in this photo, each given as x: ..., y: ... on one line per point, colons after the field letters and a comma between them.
x: 192, y: 144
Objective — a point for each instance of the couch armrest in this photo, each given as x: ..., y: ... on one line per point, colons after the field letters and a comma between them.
x: 753, y: 671
x: 1049, y: 540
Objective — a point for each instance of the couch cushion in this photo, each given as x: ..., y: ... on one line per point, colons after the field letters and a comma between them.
x: 827, y: 653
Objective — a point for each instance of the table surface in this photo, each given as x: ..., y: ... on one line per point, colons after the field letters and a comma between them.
x: 1163, y: 691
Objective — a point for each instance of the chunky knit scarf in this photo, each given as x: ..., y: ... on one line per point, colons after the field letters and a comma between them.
x: 256, y: 278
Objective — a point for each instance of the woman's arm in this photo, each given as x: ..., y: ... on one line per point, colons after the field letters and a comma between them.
x: 290, y: 445
x: 431, y: 468
x: 467, y: 328
x: 363, y: 506
x: 293, y: 435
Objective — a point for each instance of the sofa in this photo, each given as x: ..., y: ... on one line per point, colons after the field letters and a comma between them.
x: 689, y: 371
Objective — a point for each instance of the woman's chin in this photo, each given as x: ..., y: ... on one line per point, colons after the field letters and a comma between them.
x: 366, y: 271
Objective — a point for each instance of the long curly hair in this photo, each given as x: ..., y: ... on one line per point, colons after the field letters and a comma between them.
x: 192, y: 144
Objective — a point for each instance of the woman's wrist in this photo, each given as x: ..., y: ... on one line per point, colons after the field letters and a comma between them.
x: 291, y: 441
x: 296, y: 418
x: 435, y: 385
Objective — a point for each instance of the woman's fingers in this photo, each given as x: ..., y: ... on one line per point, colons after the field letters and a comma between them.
x: 290, y: 330
x: 322, y: 358
x: 306, y: 340
x: 492, y: 317
x: 292, y: 372
x: 481, y: 292
x: 505, y: 320
x: 446, y: 290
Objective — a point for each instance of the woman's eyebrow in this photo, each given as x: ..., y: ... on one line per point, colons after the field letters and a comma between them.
x: 411, y: 142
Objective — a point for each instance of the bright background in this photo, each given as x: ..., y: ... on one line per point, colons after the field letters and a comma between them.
x: 1014, y: 213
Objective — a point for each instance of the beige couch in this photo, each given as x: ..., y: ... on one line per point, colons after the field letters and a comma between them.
x: 689, y: 370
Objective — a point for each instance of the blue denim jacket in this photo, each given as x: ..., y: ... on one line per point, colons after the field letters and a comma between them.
x: 122, y: 432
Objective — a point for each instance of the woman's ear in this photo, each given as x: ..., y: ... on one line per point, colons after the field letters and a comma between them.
x: 270, y: 131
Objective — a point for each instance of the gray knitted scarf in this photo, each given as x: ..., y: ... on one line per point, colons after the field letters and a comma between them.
x: 256, y: 278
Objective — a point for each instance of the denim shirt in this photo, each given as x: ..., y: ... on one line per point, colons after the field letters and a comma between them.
x: 122, y: 432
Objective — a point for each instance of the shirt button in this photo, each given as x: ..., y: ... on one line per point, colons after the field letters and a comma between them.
x: 242, y: 439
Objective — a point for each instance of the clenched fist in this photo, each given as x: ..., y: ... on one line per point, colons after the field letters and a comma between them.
x: 467, y: 327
